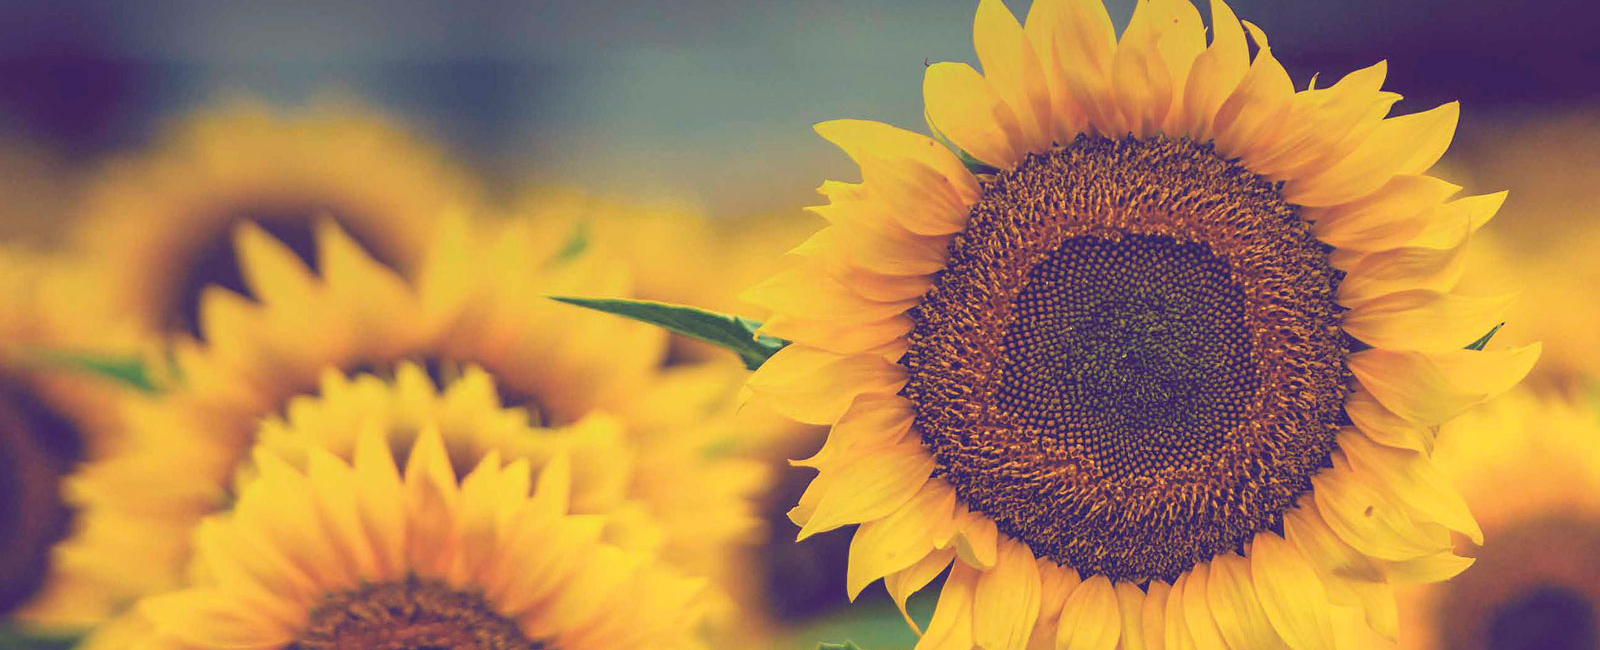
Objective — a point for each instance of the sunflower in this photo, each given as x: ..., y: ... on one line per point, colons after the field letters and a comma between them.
x: 358, y: 554
x: 477, y: 301
x: 157, y: 227
x: 1142, y: 357
x: 1529, y: 465
x: 50, y: 419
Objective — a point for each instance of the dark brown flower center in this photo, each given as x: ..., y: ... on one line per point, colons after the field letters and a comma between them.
x: 37, y: 446
x: 214, y: 260
x: 1534, y: 586
x: 1133, y: 360
x: 410, y: 615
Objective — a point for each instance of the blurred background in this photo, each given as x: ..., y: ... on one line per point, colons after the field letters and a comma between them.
x: 709, y: 103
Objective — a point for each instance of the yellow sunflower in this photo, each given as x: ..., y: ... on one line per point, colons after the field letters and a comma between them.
x: 477, y: 300
x: 1144, y: 361
x: 50, y: 419
x: 358, y: 554
x: 157, y: 227
x: 1529, y: 465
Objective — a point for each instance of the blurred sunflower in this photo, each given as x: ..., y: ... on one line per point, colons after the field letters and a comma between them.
x: 476, y: 301
x: 1529, y: 465
x: 1142, y: 361
x: 357, y: 554
x: 158, y: 227
x: 50, y: 419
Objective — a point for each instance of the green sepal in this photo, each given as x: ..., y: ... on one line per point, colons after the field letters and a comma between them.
x: 845, y: 645
x: 972, y: 164
x: 12, y: 638
x: 734, y: 333
x: 129, y: 370
x: 1478, y: 344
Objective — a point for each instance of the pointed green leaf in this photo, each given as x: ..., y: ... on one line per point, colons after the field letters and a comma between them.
x: 734, y: 333
x: 1478, y: 344
x: 126, y: 369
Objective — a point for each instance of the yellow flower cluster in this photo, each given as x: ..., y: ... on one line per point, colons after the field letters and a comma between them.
x: 1142, y: 347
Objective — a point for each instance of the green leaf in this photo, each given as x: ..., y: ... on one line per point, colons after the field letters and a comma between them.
x: 126, y: 369
x: 973, y: 164
x: 846, y: 645
x: 12, y: 638
x: 734, y: 333
x: 1478, y: 344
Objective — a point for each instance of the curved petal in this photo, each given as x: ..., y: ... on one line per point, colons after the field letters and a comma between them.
x: 964, y: 108
x: 1085, y: 44
x: 1369, y: 520
x: 1291, y: 595
x: 1216, y: 73
x: 1408, y: 144
x: 1012, y: 67
x: 1433, y: 387
x: 1386, y: 428
x: 1401, y: 269
x: 1425, y: 320
x: 1152, y: 620
x: 816, y: 387
x: 902, y: 584
x: 872, y: 421
x: 951, y: 627
x: 1256, y: 106
x: 1414, y: 481
x: 1236, y: 607
x: 805, y: 290
x: 1131, y: 604
x: 1089, y: 619
x: 1140, y: 82
x: 1006, y: 603
x: 896, y: 542
x: 867, y: 138
x: 868, y: 487
x: 1383, y: 219
x: 1199, y: 623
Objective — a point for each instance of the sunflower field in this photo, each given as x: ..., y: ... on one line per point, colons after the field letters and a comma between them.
x: 1110, y: 325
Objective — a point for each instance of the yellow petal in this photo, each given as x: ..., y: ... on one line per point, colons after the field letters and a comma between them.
x: 977, y: 542
x: 1011, y: 65
x: 1215, y: 74
x: 274, y: 273
x: 1393, y: 271
x: 1256, y: 106
x: 1174, y: 626
x: 1085, y: 44
x: 1438, y: 567
x: 1006, y: 601
x: 869, y: 487
x: 1090, y: 618
x: 379, y: 493
x: 817, y: 387
x: 951, y: 627
x: 1065, y: 120
x: 1426, y: 320
x: 208, y: 619
x: 1140, y: 81
x: 1323, y: 125
x: 896, y: 542
x: 1448, y: 225
x: 1152, y: 619
x: 837, y: 338
x: 1383, y: 219
x: 918, y: 198
x: 864, y: 137
x: 902, y: 584
x: 1131, y: 604
x: 1236, y: 607
x: 1386, y: 428
x: 1291, y: 595
x: 1409, y: 144
x: 1370, y: 520
x: 873, y: 421
x: 1198, y: 620
x: 1414, y: 481
x: 964, y: 108
x: 806, y: 291
x: 1433, y: 387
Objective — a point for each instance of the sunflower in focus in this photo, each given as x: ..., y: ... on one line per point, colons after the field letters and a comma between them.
x: 474, y: 309
x: 50, y: 419
x: 359, y: 554
x: 1529, y: 465
x: 157, y: 229
x: 1142, y: 356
